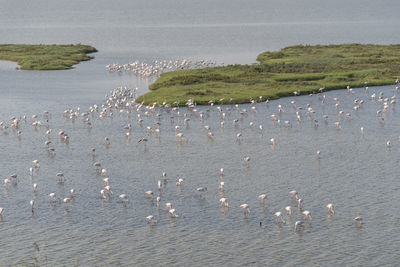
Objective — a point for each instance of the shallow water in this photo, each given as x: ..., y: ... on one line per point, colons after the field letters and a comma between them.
x: 356, y: 173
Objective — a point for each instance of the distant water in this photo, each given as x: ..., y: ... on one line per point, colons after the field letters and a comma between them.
x: 233, y: 31
x: 356, y: 173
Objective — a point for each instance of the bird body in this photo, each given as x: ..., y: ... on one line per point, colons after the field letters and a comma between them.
x: 151, y: 219
x: 330, y: 209
x: 172, y: 212
x: 358, y: 220
x: 221, y: 186
x: 246, y: 209
x: 279, y: 217
x: 244, y: 206
x: 32, y: 203
x: 298, y: 225
x: 224, y: 202
x: 201, y: 189
x: 108, y: 189
x: 307, y: 215
x: 262, y: 198
x: 288, y: 210
x: 294, y: 195
x: 159, y: 185
x: 300, y: 204
x: 72, y: 191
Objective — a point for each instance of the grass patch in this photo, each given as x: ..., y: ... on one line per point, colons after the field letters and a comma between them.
x: 46, y: 57
x: 296, y: 68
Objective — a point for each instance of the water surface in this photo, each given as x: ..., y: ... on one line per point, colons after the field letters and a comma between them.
x: 357, y: 173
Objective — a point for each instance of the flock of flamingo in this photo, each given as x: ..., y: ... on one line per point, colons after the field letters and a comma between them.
x: 157, y: 67
x: 122, y: 101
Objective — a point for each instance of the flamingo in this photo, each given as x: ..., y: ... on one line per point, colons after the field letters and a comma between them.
x: 107, y: 140
x: 151, y: 220
x: 307, y: 215
x: 66, y: 200
x: 108, y: 189
x: 262, y: 197
x: 168, y: 205
x: 32, y: 203
x: 53, y: 196
x: 358, y: 220
x: 288, y: 210
x: 246, y: 160
x: 224, y: 202
x: 330, y: 209
x: 123, y: 197
x: 272, y: 141
x: 159, y: 185
x: 221, y: 186
x: 298, y: 225
x: 201, y: 189
x: 180, y: 182
x: 72, y: 191
x: 172, y: 212
x: 246, y: 209
x: 294, y: 195
x: 300, y: 204
x: 279, y: 217
x: 388, y: 146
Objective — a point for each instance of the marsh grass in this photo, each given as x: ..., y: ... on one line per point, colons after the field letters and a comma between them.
x: 45, y: 57
x: 304, y: 69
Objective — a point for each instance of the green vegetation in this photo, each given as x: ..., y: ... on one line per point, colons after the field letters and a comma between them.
x: 304, y: 69
x: 45, y: 57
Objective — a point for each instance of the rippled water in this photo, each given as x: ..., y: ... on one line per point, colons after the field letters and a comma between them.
x: 357, y: 173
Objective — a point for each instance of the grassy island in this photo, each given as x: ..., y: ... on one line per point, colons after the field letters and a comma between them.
x: 45, y: 57
x: 304, y: 69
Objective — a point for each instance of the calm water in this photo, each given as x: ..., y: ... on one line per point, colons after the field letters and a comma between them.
x: 357, y: 173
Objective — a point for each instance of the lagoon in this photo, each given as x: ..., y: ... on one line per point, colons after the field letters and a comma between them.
x: 355, y: 173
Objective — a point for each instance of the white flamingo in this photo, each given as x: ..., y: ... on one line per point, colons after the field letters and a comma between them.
x: 246, y: 209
